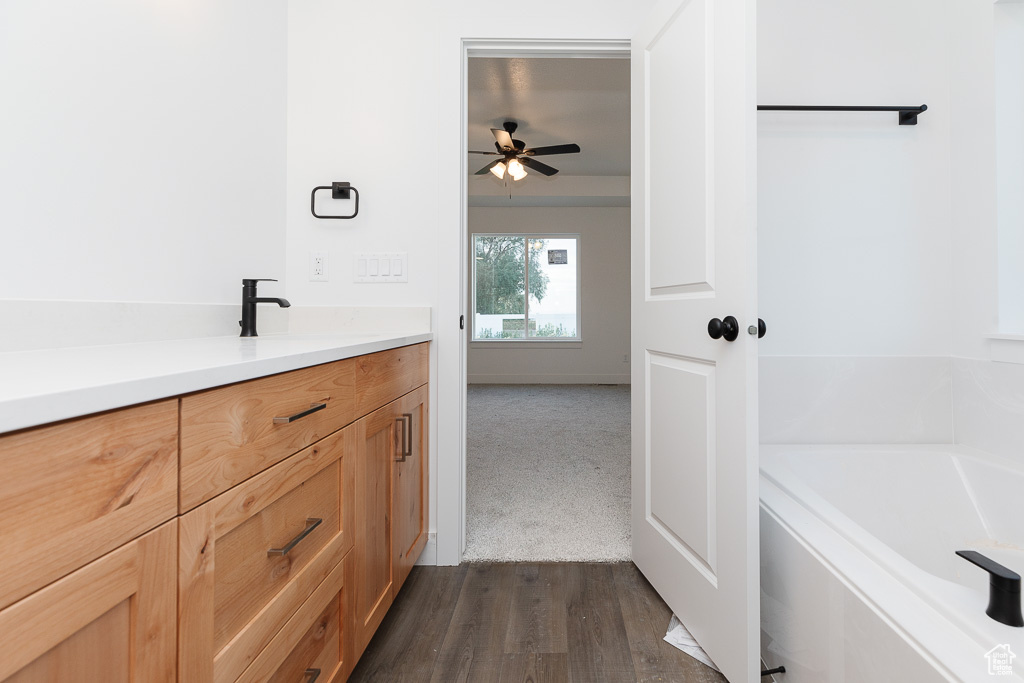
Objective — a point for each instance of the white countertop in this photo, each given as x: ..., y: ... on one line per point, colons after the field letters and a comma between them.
x: 43, y: 386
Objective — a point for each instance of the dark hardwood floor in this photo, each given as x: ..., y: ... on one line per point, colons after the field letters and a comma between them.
x: 584, y: 623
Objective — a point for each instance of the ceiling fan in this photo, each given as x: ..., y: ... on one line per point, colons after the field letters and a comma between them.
x: 515, y: 155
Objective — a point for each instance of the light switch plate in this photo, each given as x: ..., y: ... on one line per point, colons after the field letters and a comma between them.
x: 381, y: 266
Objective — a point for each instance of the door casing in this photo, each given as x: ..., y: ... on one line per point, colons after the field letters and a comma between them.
x: 483, y: 47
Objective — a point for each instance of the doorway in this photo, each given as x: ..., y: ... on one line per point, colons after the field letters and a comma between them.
x: 547, y: 450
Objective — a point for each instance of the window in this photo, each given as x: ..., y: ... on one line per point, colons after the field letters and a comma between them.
x: 506, y: 267
x: 1009, y: 82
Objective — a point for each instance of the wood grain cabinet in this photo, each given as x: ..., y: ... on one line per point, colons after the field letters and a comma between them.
x: 251, y: 532
x: 112, y: 621
x: 409, y: 486
x: 369, y: 571
x: 72, y: 491
x: 249, y: 558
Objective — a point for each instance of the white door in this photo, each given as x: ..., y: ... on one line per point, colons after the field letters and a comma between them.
x: 694, y: 451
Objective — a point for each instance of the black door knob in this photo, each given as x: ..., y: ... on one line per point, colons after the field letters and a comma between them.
x: 761, y: 328
x: 728, y: 327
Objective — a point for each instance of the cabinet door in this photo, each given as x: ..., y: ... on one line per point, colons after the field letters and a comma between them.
x: 409, y: 482
x: 112, y: 621
x: 73, y: 491
x: 370, y: 570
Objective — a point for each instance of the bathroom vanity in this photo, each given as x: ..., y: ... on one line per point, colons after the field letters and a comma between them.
x: 253, y: 529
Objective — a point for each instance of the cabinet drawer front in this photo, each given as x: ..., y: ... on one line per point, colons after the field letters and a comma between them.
x: 247, y: 575
x: 382, y: 377
x: 112, y: 620
x: 228, y: 434
x: 235, y: 594
x: 72, y: 491
x: 310, y: 644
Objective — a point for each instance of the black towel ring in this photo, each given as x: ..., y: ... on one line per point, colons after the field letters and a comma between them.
x: 338, y: 191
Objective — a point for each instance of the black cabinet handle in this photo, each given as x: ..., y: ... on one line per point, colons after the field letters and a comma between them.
x: 728, y: 327
x: 298, y: 416
x: 311, y: 523
x: 1003, y: 589
x: 761, y: 328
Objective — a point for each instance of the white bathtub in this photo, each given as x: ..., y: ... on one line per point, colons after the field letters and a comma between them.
x: 859, y: 581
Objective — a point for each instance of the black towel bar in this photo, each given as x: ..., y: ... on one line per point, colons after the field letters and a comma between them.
x: 908, y: 115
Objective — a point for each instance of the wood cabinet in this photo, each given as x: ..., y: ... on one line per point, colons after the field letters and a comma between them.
x: 250, y: 557
x: 390, y: 529
x: 230, y: 433
x: 252, y: 532
x: 370, y: 568
x: 111, y: 621
x: 72, y: 491
x: 409, y: 487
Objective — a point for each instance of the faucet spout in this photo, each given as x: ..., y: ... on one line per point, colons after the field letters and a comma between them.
x: 249, y: 301
x: 283, y: 303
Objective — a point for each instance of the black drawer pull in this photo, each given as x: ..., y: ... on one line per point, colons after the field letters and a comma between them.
x: 311, y: 524
x: 298, y: 416
x: 312, y: 674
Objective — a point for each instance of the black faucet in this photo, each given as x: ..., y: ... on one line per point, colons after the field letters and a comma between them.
x: 249, y: 301
x: 1003, y: 589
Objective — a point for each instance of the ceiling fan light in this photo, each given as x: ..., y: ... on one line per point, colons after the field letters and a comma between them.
x: 516, y: 170
x: 498, y: 170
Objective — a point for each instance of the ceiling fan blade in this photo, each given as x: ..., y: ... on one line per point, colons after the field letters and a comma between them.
x: 486, y: 169
x: 503, y: 138
x: 571, y: 148
x: 538, y: 166
x: 472, y: 151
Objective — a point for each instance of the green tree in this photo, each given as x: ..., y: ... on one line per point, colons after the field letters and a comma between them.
x: 500, y: 276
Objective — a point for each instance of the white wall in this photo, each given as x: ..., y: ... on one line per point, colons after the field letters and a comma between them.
x: 374, y: 97
x: 142, y: 148
x: 854, y: 230
x: 604, y: 250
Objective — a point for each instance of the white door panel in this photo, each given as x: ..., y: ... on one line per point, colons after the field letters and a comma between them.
x: 680, y: 491
x: 695, y: 533
x: 677, y: 103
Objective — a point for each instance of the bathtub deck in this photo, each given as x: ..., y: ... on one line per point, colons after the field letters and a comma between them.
x: 528, y: 622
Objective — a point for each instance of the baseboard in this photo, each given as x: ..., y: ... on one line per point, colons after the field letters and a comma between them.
x: 429, y: 555
x: 548, y: 379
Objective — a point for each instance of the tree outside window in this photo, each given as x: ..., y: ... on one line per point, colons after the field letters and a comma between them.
x: 505, y: 266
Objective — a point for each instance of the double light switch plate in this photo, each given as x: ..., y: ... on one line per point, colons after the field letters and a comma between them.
x: 387, y: 266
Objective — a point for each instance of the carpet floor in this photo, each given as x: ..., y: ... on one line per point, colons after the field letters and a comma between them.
x: 548, y: 473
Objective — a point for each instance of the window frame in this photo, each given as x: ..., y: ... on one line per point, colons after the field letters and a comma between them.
x: 527, y: 340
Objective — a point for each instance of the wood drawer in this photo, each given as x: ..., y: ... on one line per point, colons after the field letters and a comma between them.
x: 73, y: 491
x: 111, y: 621
x: 228, y: 434
x: 310, y: 646
x: 382, y: 377
x: 234, y: 594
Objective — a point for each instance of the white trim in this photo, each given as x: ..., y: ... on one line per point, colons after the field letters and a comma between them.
x: 623, y: 378
x: 544, y: 48
x: 451, y: 376
x: 429, y: 555
x: 1006, y: 348
x: 535, y: 342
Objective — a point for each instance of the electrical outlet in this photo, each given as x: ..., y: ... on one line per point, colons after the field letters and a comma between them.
x: 318, y: 266
x: 625, y: 358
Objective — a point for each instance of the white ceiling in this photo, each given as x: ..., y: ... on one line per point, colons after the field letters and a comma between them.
x: 554, y: 101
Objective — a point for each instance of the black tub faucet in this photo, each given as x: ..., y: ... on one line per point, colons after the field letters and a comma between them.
x: 249, y: 301
x: 1003, y: 589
